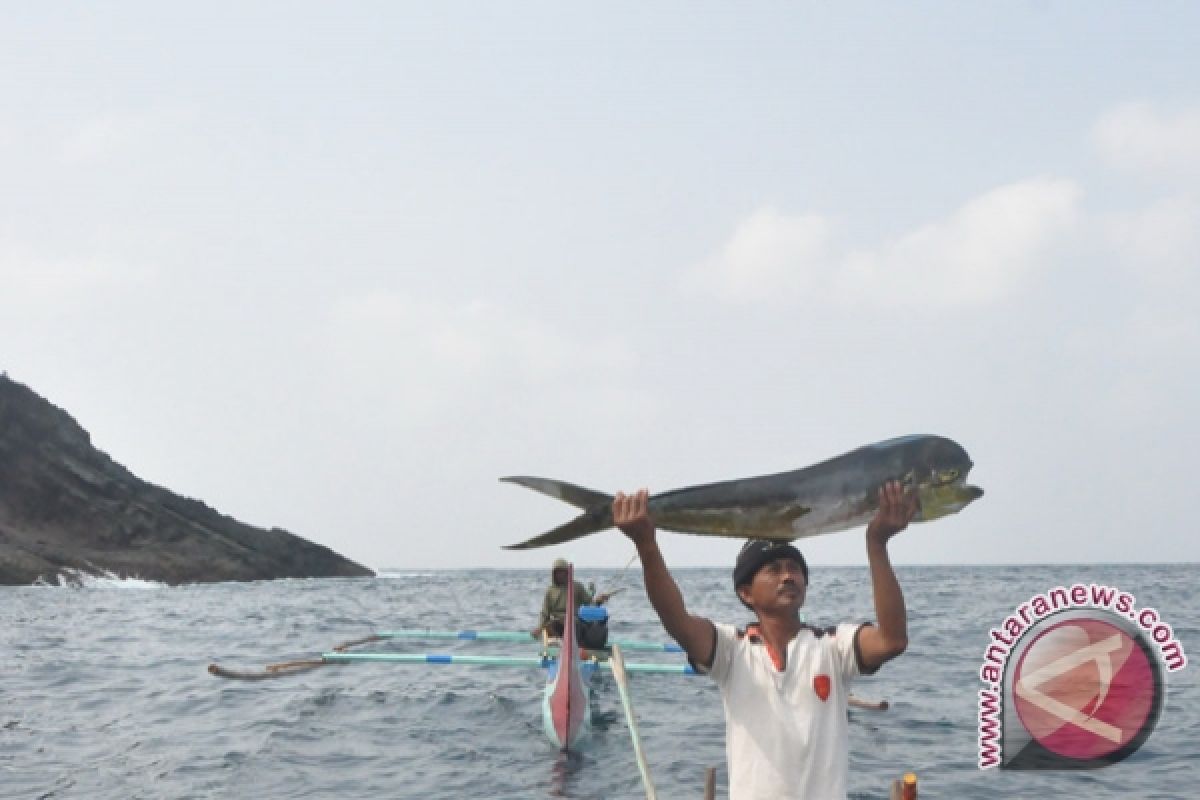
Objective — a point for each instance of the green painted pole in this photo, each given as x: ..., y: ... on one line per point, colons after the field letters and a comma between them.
x: 515, y: 636
x: 482, y: 636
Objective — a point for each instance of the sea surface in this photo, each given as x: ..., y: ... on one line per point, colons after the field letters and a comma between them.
x: 104, y: 691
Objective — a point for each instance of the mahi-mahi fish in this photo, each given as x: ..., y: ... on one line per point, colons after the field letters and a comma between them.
x: 835, y: 495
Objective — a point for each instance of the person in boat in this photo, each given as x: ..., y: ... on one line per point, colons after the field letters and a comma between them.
x: 784, y: 684
x: 554, y: 602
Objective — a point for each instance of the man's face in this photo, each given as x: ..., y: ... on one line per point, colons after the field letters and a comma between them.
x: 559, y: 576
x: 778, y: 585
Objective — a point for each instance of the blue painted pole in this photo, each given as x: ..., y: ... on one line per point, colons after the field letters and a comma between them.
x: 437, y: 658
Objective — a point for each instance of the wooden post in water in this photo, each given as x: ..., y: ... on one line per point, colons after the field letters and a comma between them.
x: 710, y: 783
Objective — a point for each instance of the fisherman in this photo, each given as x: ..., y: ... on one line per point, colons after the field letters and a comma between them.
x: 554, y: 603
x: 783, y: 683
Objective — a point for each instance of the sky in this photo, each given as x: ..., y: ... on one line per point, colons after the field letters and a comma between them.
x: 337, y: 268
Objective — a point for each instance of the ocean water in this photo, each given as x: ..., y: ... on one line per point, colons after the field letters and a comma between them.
x: 104, y: 691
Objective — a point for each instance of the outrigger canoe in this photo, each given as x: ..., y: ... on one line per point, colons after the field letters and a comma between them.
x: 566, y: 710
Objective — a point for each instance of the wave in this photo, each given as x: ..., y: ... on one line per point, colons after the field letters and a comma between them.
x: 400, y: 572
x: 70, y: 578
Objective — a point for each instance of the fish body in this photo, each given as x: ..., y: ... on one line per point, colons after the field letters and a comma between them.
x: 834, y: 495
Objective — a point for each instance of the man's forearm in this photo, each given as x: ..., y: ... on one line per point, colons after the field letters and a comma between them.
x: 662, y: 590
x: 890, y: 613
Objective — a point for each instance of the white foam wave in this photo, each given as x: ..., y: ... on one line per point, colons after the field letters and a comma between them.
x: 104, y: 579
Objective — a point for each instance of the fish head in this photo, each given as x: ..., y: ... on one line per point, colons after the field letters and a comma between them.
x: 949, y: 498
x: 938, y: 474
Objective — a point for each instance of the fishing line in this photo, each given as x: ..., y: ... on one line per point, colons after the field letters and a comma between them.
x: 616, y: 582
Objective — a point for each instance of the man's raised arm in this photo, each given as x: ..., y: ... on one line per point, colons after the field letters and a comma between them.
x: 696, y: 635
x: 889, y: 638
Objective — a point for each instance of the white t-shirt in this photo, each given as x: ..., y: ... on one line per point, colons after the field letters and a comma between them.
x: 786, y: 732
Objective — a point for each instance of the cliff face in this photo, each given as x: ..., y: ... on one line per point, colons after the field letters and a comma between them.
x: 66, y: 505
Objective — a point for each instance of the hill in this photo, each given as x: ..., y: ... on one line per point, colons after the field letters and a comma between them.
x: 64, y: 505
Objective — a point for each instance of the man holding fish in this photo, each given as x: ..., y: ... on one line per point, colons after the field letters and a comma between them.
x: 784, y: 684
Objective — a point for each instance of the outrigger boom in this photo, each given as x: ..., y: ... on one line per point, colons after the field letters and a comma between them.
x: 514, y: 636
x: 495, y: 661
x: 339, y: 655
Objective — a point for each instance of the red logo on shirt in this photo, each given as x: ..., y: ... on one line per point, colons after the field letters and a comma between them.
x: 821, y: 687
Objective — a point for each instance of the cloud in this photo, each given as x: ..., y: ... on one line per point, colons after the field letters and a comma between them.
x: 981, y: 253
x: 1158, y: 243
x: 769, y: 252
x: 1138, y: 138
x: 433, y: 357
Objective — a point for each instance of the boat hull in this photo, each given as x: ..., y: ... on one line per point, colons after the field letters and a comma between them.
x: 566, y: 709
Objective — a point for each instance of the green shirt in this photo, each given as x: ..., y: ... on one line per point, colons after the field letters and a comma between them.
x: 554, y: 604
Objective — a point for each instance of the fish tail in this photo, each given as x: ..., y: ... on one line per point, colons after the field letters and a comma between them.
x: 590, y: 522
x: 569, y: 493
x: 597, y: 514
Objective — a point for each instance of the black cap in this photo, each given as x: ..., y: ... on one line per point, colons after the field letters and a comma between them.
x: 758, y: 552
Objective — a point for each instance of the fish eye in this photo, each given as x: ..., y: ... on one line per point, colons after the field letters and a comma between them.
x: 948, y: 475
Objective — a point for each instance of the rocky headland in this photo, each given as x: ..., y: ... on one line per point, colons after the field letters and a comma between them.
x: 67, y: 508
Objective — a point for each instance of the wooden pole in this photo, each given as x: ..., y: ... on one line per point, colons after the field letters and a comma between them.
x: 271, y: 671
x: 867, y: 705
x: 710, y: 783
x: 904, y: 788
x: 618, y: 668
